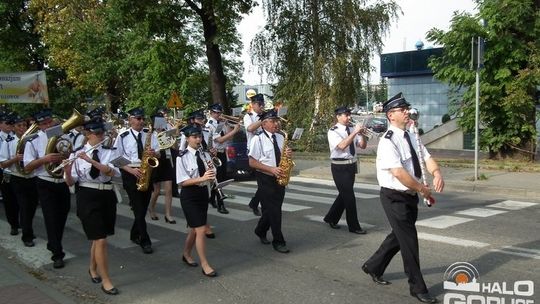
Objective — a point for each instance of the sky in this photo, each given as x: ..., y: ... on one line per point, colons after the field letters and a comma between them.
x: 419, y: 16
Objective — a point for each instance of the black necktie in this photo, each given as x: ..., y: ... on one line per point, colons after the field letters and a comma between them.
x: 416, y: 163
x: 94, y: 172
x: 200, y: 164
x: 139, y: 145
x: 351, y: 146
x: 277, y: 152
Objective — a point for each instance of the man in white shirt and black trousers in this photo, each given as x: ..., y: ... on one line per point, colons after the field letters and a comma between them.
x: 131, y: 144
x: 264, y: 156
x: 54, y: 196
x: 399, y: 175
x: 344, y: 141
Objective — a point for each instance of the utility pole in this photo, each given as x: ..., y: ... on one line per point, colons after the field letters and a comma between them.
x: 478, y: 52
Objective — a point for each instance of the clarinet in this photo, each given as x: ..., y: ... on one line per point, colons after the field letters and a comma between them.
x: 413, y: 115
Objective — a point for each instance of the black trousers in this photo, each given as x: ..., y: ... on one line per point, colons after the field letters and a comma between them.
x: 11, y: 205
x: 344, y: 176
x: 138, y: 200
x: 402, y: 211
x: 55, y: 202
x: 27, y: 196
x: 272, y: 195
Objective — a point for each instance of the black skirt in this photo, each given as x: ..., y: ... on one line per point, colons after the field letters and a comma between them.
x: 194, y: 201
x: 164, y: 171
x: 97, y: 211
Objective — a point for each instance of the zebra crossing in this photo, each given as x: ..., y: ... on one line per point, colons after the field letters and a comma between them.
x: 303, y: 195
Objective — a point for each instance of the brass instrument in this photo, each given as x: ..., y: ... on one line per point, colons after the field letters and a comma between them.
x: 367, y: 132
x: 168, y: 138
x: 231, y: 119
x: 286, y: 164
x: 148, y: 163
x: 66, y: 162
x: 57, y: 144
x: 34, y: 128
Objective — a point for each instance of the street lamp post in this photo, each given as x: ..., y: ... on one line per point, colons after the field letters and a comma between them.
x: 479, y: 64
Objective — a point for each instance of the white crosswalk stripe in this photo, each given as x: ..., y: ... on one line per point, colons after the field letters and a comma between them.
x: 519, y: 251
x: 442, y: 222
x: 180, y: 226
x: 36, y: 256
x: 512, y: 205
x: 480, y: 212
x: 331, y: 192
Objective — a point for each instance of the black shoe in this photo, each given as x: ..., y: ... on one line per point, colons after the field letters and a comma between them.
x: 210, y: 235
x: 14, y: 231
x: 192, y: 264
x: 58, y: 263
x: 424, y: 297
x: 136, y: 241
x: 211, y: 274
x: 29, y: 243
x: 282, y: 248
x: 256, y: 211
x: 377, y: 279
x: 358, y: 231
x: 168, y: 221
x: 147, y: 249
x: 112, y: 292
x: 95, y: 280
x: 332, y: 225
x: 222, y: 209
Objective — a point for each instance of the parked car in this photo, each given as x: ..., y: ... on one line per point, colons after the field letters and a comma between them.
x: 237, y: 157
x: 377, y: 125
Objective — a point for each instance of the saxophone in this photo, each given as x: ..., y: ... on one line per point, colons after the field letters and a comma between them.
x: 286, y: 164
x: 148, y: 163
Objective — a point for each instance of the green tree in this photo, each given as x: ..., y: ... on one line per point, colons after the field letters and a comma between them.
x: 509, y: 78
x: 317, y: 52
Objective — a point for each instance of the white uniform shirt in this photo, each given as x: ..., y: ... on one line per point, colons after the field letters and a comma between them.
x: 186, y: 165
x: 126, y: 145
x: 217, y: 129
x: 77, y: 139
x: 262, y: 148
x: 335, y: 135
x: 80, y: 171
x: 35, y: 149
x: 8, y: 150
x: 394, y: 152
x: 249, y: 119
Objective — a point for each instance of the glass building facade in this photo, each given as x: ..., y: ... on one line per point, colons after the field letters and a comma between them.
x: 408, y: 72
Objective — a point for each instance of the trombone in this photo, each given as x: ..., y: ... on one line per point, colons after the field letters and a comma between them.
x: 231, y: 119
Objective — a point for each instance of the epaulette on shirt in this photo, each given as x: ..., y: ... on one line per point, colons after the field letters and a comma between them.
x: 211, y: 122
x: 249, y: 113
x: 108, y: 147
x: 10, y: 138
x: 258, y: 133
x: 388, y: 134
x: 31, y: 137
x: 145, y: 130
x: 182, y: 153
x: 124, y: 134
x: 333, y: 128
x: 71, y: 135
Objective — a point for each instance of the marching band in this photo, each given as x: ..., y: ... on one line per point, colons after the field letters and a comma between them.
x: 91, y: 157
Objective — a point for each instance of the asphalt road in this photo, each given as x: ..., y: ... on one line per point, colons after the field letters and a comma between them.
x: 496, y: 235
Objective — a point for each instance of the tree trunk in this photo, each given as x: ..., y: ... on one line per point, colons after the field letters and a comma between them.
x: 213, y: 54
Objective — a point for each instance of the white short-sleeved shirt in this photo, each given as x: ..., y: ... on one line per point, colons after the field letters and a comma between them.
x: 8, y: 150
x: 126, y: 145
x: 249, y: 119
x: 394, y: 152
x: 186, y: 165
x: 217, y: 129
x: 34, y: 149
x: 80, y: 171
x: 262, y: 148
x: 336, y: 134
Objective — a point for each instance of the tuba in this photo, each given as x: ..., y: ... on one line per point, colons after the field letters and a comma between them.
x: 147, y: 164
x: 286, y: 164
x: 33, y: 129
x: 57, y: 144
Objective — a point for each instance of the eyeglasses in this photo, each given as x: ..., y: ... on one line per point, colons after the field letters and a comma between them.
x: 400, y: 110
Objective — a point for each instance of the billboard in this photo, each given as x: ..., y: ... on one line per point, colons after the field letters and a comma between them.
x: 24, y: 87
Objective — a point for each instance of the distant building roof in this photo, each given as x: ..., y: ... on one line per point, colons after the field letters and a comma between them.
x: 409, y: 63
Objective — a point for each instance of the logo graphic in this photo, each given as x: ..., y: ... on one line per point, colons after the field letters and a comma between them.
x: 461, y: 276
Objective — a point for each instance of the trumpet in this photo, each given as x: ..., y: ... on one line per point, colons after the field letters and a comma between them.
x: 365, y: 130
x: 70, y: 161
x: 231, y: 119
